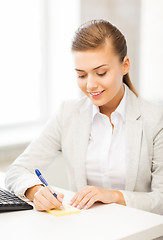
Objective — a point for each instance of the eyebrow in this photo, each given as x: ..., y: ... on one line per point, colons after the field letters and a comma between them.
x: 79, y: 70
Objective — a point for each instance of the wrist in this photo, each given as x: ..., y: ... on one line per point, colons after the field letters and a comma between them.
x: 119, y: 198
x: 30, y: 192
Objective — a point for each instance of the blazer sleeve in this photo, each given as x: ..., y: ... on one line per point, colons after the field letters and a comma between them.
x: 151, y: 201
x: 39, y: 154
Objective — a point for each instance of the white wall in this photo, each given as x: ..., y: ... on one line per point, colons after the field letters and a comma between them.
x: 151, y: 50
x: 63, y: 18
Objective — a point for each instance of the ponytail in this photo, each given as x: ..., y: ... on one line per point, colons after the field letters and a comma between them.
x: 127, y: 81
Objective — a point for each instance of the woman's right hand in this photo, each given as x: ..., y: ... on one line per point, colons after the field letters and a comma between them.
x: 43, y: 199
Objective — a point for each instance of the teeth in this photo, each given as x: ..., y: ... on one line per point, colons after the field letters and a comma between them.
x: 94, y: 94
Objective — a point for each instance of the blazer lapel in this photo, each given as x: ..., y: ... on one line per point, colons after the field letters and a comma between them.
x: 133, y: 140
x: 82, y: 125
x: 133, y: 144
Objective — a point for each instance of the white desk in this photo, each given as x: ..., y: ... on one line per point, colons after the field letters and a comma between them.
x: 100, y: 222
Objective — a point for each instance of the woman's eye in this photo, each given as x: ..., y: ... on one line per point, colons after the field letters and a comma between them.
x: 81, y: 76
x: 101, y: 74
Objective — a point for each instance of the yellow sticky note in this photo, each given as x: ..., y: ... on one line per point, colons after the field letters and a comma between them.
x: 67, y: 210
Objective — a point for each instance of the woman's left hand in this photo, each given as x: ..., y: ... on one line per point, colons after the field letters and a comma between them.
x: 91, y: 194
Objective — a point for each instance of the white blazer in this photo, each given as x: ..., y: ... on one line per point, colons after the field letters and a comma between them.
x: 68, y: 134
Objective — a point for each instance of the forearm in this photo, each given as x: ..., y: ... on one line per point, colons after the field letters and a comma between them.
x: 147, y: 201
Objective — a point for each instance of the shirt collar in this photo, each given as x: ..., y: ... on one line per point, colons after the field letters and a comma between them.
x: 120, y: 109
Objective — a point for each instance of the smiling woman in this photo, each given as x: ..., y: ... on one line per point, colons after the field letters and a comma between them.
x: 109, y: 138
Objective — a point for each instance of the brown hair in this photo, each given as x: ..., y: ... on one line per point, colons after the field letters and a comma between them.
x: 94, y: 34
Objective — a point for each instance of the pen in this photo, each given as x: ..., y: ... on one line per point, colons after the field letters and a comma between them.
x: 42, y: 179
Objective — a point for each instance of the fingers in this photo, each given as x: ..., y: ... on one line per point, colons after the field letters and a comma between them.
x: 86, y: 197
x: 91, y: 202
x: 88, y: 200
x: 60, y: 196
x: 44, y: 200
x: 91, y: 194
x: 79, y: 195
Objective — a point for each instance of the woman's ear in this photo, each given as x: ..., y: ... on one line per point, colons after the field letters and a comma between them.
x: 125, y: 65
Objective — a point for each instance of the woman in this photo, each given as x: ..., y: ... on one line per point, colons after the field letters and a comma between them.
x: 111, y: 140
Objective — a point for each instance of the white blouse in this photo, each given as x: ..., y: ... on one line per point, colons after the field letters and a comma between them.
x: 105, y: 163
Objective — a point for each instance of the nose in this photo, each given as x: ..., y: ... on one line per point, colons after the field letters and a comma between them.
x: 91, y: 84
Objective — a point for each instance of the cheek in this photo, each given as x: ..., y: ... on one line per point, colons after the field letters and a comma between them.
x: 115, y: 79
x: 109, y: 82
x: 81, y: 84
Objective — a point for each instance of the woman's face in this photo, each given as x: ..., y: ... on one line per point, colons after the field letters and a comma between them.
x: 100, y: 74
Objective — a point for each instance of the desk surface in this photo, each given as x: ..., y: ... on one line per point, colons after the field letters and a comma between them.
x: 110, y: 221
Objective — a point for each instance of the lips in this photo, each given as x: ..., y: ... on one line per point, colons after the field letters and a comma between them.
x: 96, y: 94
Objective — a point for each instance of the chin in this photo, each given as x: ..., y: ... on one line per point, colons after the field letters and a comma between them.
x: 97, y: 103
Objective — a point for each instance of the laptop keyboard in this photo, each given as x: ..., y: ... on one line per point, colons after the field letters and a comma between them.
x: 10, y: 202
